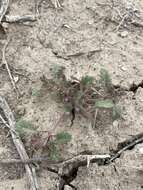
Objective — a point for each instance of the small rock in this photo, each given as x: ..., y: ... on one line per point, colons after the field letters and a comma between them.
x: 124, y: 34
x: 16, y: 79
x: 139, y: 148
x: 5, y: 25
x: 67, y: 187
x: 91, y: 21
x: 115, y: 123
x: 116, y: 82
x: 3, y: 150
x: 123, y: 68
x: 20, y: 110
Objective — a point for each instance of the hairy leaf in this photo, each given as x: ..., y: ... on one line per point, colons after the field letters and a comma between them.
x: 63, y: 137
x: 87, y: 80
x: 57, y: 70
x: 36, y: 92
x: 104, y: 104
x: 23, y: 126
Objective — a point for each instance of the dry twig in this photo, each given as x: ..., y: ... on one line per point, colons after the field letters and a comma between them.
x: 4, y: 62
x: 3, y: 8
x: 18, y: 18
x: 122, y: 22
x: 30, y: 170
x: 127, y: 147
x: 57, y: 4
x: 95, y: 117
x: 78, y: 158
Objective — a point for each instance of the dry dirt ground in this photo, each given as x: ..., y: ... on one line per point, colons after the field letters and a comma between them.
x: 84, y: 36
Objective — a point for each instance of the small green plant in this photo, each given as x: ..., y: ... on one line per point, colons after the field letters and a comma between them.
x: 49, y: 144
x: 54, y: 153
x: 82, y: 96
x: 23, y: 127
x: 105, y: 79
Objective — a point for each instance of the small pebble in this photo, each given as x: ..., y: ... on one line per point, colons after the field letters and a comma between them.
x: 91, y: 21
x: 123, y: 68
x: 5, y: 25
x: 20, y: 110
x: 124, y: 34
x: 67, y: 187
x: 16, y: 79
x: 139, y: 148
x: 115, y: 123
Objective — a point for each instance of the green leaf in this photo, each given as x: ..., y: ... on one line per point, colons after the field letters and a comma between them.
x: 87, y: 80
x: 63, y: 137
x: 104, y: 104
x: 23, y: 126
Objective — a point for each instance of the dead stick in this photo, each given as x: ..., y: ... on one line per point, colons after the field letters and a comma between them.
x: 7, y: 68
x: 122, y: 22
x: 132, y: 144
x: 3, y: 8
x: 18, y: 143
x: 56, y: 163
x: 57, y: 4
x: 95, y: 118
x: 18, y: 18
x: 28, y: 161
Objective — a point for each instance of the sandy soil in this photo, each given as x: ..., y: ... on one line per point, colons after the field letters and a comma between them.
x: 90, y: 27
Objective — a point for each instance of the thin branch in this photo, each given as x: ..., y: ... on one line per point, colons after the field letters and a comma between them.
x: 77, y: 158
x: 122, y: 22
x: 3, y: 8
x: 4, y: 62
x: 77, y: 54
x: 31, y: 175
x: 95, y: 118
x: 18, y: 18
x: 81, y: 159
x: 57, y: 4
x: 130, y: 145
x: 28, y: 161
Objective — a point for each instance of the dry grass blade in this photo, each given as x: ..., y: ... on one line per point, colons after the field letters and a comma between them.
x: 3, y: 8
x: 4, y: 62
x: 30, y: 171
x: 57, y: 4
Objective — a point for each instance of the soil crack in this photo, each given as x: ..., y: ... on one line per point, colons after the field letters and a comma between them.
x: 134, y: 87
x: 73, y: 116
x: 122, y: 147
